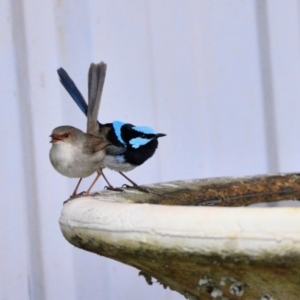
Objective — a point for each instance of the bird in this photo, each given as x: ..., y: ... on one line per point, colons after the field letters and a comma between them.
x: 77, y: 154
x: 136, y: 144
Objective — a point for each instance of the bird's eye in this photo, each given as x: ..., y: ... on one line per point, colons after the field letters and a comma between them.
x: 66, y: 135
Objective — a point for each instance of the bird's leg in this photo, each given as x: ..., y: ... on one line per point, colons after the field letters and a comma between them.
x: 134, y: 185
x: 97, y: 177
x: 74, y: 195
x: 76, y: 188
x: 109, y: 186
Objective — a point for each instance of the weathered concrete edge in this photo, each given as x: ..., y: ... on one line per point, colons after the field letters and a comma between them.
x: 248, y: 231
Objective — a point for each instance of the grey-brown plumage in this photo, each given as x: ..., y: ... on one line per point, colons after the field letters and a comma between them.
x: 96, y: 79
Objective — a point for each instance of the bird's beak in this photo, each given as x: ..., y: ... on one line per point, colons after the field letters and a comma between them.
x: 158, y: 135
x: 55, y: 138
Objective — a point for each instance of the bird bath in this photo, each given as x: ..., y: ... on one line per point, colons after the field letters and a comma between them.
x: 179, y: 235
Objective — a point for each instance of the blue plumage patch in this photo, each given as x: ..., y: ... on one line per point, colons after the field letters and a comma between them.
x: 137, y: 142
x: 144, y: 129
x: 117, y: 128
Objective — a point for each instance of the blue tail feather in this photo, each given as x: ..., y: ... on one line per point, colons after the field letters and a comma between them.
x: 72, y: 89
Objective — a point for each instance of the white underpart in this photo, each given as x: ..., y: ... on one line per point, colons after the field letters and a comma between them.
x: 71, y: 162
x: 112, y: 163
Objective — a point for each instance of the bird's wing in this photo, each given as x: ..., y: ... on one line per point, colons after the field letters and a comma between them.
x: 114, y: 150
x: 96, y: 79
x: 94, y: 144
x: 72, y: 89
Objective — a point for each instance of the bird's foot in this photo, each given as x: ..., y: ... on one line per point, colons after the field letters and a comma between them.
x: 74, y: 196
x: 111, y: 188
x: 135, y: 187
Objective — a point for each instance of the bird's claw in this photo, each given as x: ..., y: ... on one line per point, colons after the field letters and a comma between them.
x: 135, y: 187
x: 111, y: 188
x: 72, y: 197
x: 81, y: 194
x: 68, y: 200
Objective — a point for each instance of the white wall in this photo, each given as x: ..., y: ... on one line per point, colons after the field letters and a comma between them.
x: 221, y: 78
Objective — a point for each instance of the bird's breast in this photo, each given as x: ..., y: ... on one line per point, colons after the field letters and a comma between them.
x: 72, y: 162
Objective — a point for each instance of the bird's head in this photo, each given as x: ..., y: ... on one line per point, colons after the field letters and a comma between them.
x: 65, y: 134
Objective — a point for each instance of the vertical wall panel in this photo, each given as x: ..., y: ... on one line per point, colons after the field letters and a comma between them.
x: 285, y: 56
x: 208, y: 81
x: 16, y: 273
x: 45, y: 113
